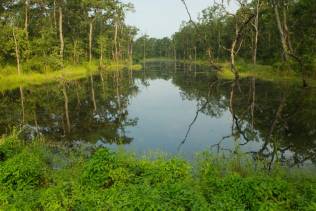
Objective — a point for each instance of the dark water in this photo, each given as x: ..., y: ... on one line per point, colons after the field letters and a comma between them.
x: 184, y: 111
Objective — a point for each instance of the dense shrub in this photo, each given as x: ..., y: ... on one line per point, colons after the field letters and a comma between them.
x: 9, y: 147
x: 41, y: 65
x: 97, y: 170
x: 22, y: 171
x: 118, y: 181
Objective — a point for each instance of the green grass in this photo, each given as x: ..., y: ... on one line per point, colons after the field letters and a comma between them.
x: 29, y: 180
x: 266, y: 73
x: 165, y: 59
x: 68, y: 73
x: 9, y: 79
x: 262, y: 72
x: 114, y: 67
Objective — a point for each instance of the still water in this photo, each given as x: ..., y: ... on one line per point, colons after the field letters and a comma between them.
x: 182, y: 110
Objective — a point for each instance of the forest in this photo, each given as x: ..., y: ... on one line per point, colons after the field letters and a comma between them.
x: 279, y: 33
x: 97, y: 114
x: 42, y: 36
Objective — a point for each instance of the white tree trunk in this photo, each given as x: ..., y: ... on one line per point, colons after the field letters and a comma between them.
x: 61, y: 36
x: 90, y: 40
x: 280, y: 28
x: 17, y: 53
x: 256, y: 26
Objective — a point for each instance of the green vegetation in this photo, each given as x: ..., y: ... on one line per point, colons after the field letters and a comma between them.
x: 68, y: 73
x: 35, y: 176
x: 11, y: 80
x: 42, y: 42
x: 50, y: 41
x: 265, y: 32
x: 262, y: 72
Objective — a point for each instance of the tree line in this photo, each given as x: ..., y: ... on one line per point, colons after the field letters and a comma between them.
x: 274, y: 32
x: 47, y: 34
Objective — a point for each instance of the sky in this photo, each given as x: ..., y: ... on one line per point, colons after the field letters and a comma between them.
x: 161, y: 18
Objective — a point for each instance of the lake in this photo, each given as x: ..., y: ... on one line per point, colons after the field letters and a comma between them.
x: 179, y: 110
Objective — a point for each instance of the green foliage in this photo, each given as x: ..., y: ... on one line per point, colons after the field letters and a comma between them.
x: 120, y: 181
x: 42, y: 65
x: 31, y: 33
x: 229, y: 188
x: 22, y: 171
x: 97, y: 170
x: 211, y: 37
x: 10, y: 146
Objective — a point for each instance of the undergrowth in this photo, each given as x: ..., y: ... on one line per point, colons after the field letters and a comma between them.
x: 35, y: 176
x: 9, y: 79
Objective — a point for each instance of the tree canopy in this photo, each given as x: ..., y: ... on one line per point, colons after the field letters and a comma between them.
x: 50, y: 32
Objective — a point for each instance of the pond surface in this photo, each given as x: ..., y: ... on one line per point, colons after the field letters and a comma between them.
x: 181, y: 110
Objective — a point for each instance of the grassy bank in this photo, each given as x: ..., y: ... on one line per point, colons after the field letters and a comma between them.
x: 9, y: 79
x: 35, y: 176
x: 262, y: 72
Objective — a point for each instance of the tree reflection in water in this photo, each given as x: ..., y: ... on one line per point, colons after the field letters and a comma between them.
x: 279, y: 118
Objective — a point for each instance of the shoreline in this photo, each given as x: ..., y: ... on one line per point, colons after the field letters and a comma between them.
x: 246, y: 70
x: 69, y: 73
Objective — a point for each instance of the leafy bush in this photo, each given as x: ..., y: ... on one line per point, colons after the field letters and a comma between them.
x: 225, y: 188
x: 177, y: 196
x: 97, y: 170
x: 10, y: 146
x: 26, y: 199
x: 24, y: 170
x: 41, y: 65
x: 118, y: 181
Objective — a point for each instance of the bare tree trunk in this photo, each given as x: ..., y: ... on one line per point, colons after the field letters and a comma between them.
x: 120, y: 56
x: 209, y: 53
x: 115, y: 42
x: 286, y: 42
x: 238, y: 40
x: 101, y: 54
x: 17, y: 54
x: 286, y: 31
x: 90, y: 40
x: 54, y: 15
x: 256, y: 26
x: 280, y: 28
x: 26, y: 21
x: 232, y: 59
x: 26, y: 26
x: 61, y: 36
x: 130, y: 56
x: 131, y: 51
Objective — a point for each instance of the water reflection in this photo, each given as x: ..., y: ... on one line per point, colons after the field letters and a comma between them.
x: 172, y: 107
